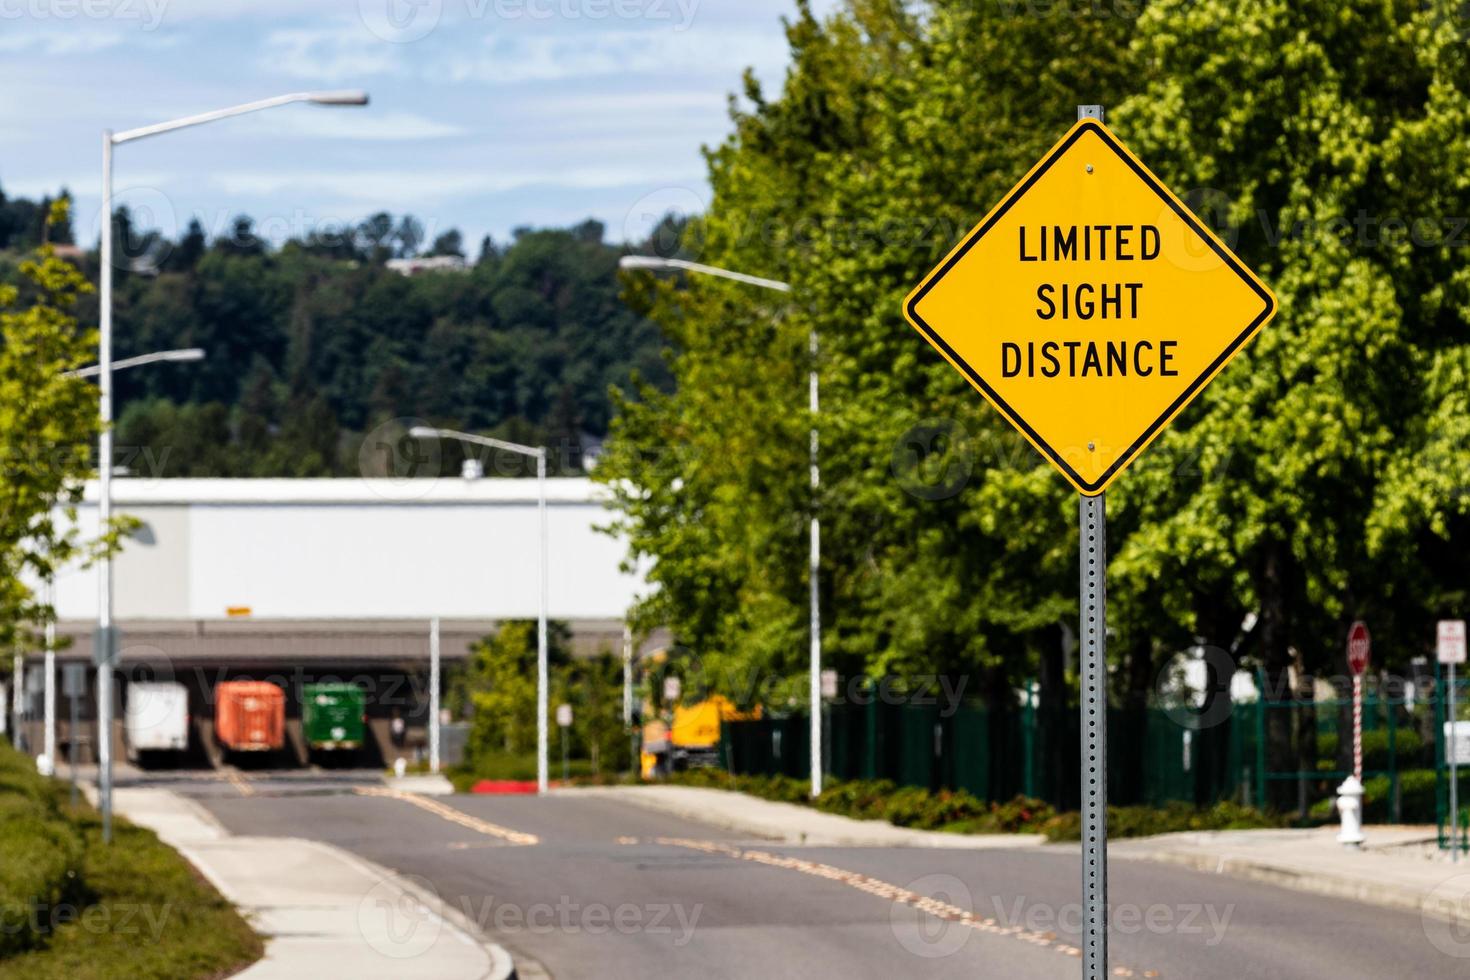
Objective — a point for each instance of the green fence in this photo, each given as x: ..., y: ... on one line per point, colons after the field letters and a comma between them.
x: 1155, y: 755
x: 996, y: 755
x: 1298, y: 768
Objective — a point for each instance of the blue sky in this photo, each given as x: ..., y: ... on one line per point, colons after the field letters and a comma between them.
x: 487, y: 114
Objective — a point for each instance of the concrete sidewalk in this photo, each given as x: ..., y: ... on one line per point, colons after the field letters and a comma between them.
x: 790, y: 823
x: 323, y: 912
x: 1396, y: 868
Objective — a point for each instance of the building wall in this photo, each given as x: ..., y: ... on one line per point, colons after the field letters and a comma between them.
x: 354, y: 549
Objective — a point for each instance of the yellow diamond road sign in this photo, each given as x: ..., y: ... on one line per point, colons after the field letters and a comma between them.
x: 1090, y: 306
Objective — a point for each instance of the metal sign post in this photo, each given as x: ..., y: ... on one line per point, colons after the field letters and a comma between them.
x: 1454, y: 773
x: 1451, y: 651
x: 1092, y: 529
x: 1094, y: 707
x: 628, y: 700
x: 564, y: 722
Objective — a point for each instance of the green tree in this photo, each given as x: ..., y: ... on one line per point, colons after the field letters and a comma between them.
x: 497, y: 688
x: 48, y: 425
x: 946, y: 547
x: 1319, y: 479
x: 1328, y: 139
x: 312, y: 347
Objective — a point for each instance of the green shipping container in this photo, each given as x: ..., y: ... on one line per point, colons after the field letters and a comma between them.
x: 331, y: 715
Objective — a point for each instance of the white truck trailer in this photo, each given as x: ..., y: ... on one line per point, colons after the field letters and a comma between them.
x: 157, y: 717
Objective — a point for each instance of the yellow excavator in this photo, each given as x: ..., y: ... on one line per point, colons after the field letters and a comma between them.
x: 693, y: 739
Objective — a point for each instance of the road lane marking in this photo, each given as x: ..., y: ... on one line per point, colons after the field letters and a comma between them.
x: 451, y: 814
x: 240, y: 783
x: 893, y: 893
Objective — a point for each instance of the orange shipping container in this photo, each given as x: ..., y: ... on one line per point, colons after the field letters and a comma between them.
x: 250, y: 716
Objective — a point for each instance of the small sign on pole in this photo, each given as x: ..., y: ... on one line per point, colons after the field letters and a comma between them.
x: 1451, y: 644
x: 564, y: 715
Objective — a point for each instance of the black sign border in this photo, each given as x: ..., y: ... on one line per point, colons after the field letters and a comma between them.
x: 1126, y: 457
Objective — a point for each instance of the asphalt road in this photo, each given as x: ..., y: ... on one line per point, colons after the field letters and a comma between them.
x: 612, y: 890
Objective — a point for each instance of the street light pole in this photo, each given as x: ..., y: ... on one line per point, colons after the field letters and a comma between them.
x: 48, y: 708
x: 106, y: 646
x: 814, y: 561
x: 542, y: 679
x: 102, y: 652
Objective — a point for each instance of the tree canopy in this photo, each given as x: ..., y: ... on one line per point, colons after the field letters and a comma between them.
x: 48, y: 424
x: 1318, y: 479
x: 317, y: 348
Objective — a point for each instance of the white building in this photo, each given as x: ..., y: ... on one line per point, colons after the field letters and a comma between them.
x: 354, y: 549
x: 297, y: 580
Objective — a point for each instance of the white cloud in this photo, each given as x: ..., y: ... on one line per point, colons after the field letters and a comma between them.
x: 396, y: 188
x: 354, y: 124
x: 332, y: 55
x: 75, y: 41
x: 543, y: 58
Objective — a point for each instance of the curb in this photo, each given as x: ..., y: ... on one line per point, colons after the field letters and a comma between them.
x: 856, y: 833
x: 502, y: 965
x: 1374, y: 893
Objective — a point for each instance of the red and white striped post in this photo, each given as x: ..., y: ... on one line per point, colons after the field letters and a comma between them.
x: 1350, y: 793
x: 1358, y: 727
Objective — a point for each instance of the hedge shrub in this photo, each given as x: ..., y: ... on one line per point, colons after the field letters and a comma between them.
x: 40, y: 853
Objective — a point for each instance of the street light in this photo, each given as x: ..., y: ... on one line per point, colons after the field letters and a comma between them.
x: 539, y: 455
x: 184, y: 356
x: 106, y: 642
x: 656, y: 264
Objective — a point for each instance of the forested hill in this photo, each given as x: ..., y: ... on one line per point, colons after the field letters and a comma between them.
x: 319, y: 354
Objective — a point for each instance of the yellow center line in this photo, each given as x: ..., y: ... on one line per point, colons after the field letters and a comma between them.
x: 451, y: 814
x: 894, y: 893
x: 241, y: 784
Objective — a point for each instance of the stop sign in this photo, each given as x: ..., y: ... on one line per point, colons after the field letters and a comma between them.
x: 1359, y: 646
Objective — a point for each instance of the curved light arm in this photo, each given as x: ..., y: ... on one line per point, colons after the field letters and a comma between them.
x: 427, y: 432
x: 170, y: 356
x: 314, y: 98
x: 655, y: 264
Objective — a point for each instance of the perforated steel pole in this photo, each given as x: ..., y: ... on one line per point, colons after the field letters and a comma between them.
x: 1093, y: 553
x: 1094, y: 707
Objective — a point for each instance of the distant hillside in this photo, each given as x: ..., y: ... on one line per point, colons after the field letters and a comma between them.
x: 319, y: 353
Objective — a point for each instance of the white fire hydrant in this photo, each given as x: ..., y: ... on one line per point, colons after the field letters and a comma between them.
x: 1350, y: 805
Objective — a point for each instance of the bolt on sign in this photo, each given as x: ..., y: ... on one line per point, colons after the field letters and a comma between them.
x: 1090, y: 306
